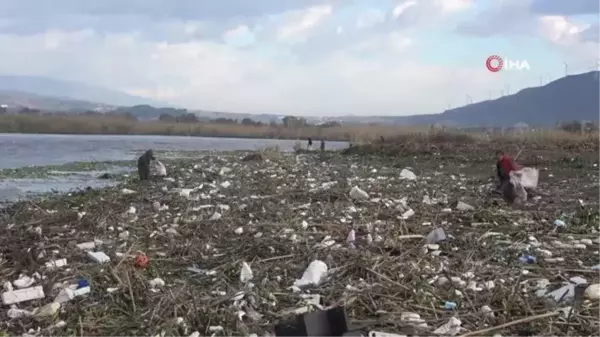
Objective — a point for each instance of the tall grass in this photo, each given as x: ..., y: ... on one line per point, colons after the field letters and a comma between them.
x: 356, y: 134
x: 78, y: 124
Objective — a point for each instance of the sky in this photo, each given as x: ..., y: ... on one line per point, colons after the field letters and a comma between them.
x: 302, y: 57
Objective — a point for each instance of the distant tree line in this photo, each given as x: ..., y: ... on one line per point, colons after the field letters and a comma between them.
x: 182, y: 116
x: 578, y: 126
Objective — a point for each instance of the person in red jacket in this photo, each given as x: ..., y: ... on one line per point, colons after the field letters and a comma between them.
x: 504, y: 165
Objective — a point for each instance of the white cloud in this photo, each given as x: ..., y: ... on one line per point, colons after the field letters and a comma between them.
x: 453, y: 6
x: 210, y: 75
x: 560, y: 30
x: 370, y: 18
x: 303, y: 21
x: 402, y: 7
x: 339, y: 70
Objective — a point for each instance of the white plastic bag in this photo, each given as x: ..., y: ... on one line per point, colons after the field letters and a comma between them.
x: 522, y: 179
x: 161, y: 170
x: 529, y: 177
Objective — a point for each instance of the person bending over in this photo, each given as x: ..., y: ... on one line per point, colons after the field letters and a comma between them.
x: 144, y: 164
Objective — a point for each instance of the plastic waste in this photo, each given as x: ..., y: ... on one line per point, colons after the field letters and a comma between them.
x: 141, y: 261
x: 451, y: 328
x: 463, y: 206
x: 529, y: 259
x: 407, y: 174
x: 23, y: 282
x: 23, y: 295
x: 246, y: 273
x: 313, y: 275
x: 528, y: 177
x: 358, y: 194
x: 592, y: 292
x: 450, y: 305
x: 56, y: 264
x: 99, y: 257
x: 351, y: 236
x: 47, y: 310
x: 161, y: 170
x: 436, y: 235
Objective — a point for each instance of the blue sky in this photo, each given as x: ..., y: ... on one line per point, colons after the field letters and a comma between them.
x: 300, y: 57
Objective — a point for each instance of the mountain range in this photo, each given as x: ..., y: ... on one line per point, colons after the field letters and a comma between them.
x: 70, y: 90
x: 574, y: 97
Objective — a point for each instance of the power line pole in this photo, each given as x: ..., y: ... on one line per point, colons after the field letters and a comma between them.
x: 566, y: 68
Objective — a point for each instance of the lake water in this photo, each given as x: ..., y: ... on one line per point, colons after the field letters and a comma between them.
x: 19, y: 150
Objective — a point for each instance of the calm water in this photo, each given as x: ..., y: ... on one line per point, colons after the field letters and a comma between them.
x: 19, y: 150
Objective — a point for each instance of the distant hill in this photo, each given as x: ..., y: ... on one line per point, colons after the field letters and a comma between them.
x: 574, y: 97
x: 70, y: 90
x: 15, y: 100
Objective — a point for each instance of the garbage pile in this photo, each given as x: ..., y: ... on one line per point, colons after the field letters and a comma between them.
x: 225, y: 247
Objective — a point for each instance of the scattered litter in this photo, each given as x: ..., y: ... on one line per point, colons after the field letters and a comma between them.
x: 407, y: 174
x: 18, y: 313
x: 393, y: 235
x: 358, y: 194
x: 462, y: 206
x: 56, y: 264
x: 87, y: 245
x: 450, y: 305
x: 99, y: 257
x: 141, y: 261
x: 452, y: 327
x: 23, y: 295
x: 47, y: 310
x: 23, y: 282
x: 436, y: 235
x: 592, y: 292
x: 157, y: 283
x: 559, y: 223
x: 313, y: 274
x: 246, y: 273
x: 161, y: 170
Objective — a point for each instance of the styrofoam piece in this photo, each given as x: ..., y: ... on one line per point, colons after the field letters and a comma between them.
x: 56, y: 263
x: 23, y: 295
x: 24, y: 282
x: 99, y: 257
x: 82, y: 291
x: 86, y: 245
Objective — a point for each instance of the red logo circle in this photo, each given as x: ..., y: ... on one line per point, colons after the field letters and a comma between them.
x: 494, y: 63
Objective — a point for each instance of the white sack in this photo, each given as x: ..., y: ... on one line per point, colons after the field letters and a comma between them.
x: 528, y: 177
x: 161, y: 170
x: 522, y: 179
